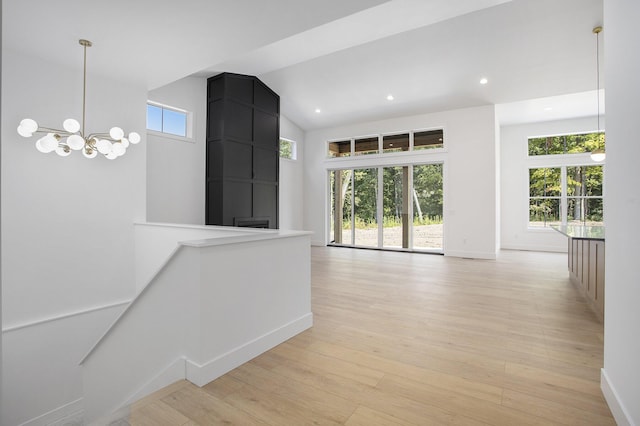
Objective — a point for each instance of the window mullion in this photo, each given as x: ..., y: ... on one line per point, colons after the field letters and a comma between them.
x: 379, y: 205
x: 410, y: 205
x: 563, y: 195
x: 353, y: 204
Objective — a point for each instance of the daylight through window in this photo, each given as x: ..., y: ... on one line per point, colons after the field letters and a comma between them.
x: 288, y: 149
x: 164, y: 119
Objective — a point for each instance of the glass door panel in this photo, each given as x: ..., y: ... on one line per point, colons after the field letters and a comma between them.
x: 395, y: 229
x: 427, y: 197
x: 365, y: 207
x: 340, y: 184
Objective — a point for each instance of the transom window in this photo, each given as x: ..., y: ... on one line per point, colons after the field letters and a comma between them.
x: 166, y: 119
x: 566, y: 144
x: 415, y: 140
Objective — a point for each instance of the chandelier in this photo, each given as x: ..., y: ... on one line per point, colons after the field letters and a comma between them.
x: 73, y: 138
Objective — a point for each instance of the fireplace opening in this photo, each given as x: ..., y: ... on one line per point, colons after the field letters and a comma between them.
x: 251, y: 222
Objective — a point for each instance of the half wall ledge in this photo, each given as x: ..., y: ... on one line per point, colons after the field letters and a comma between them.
x: 213, y: 302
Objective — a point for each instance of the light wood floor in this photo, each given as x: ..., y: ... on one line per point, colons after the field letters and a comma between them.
x: 414, y: 339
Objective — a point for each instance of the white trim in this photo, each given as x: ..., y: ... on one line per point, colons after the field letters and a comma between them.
x: 65, y: 414
x: 165, y: 106
x: 535, y: 247
x: 16, y: 327
x: 471, y: 254
x: 620, y: 413
x: 202, y: 374
x: 170, y: 136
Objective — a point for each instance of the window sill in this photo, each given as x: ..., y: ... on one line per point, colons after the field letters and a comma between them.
x: 170, y: 136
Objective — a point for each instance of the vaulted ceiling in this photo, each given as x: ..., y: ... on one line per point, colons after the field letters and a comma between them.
x: 341, y: 57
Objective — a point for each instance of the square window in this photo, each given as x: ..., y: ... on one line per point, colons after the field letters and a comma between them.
x: 287, y: 149
x: 174, y: 122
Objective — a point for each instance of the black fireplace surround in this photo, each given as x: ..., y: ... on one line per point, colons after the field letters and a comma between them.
x: 242, y: 152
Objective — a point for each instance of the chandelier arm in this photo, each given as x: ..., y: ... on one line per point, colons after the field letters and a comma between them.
x: 56, y: 131
x: 101, y: 136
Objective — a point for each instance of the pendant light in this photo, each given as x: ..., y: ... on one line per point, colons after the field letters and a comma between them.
x: 73, y: 138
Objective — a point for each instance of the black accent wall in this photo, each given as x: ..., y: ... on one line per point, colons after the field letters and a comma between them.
x: 242, y: 154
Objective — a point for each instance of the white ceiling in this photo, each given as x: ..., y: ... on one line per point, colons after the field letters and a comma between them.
x: 343, y: 57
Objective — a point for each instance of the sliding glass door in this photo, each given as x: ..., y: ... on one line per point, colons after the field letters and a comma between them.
x: 427, y: 207
x: 395, y: 223
x: 365, y: 201
x: 395, y: 207
x: 341, y: 198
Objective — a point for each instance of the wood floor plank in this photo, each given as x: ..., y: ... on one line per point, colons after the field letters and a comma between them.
x: 552, y: 410
x: 157, y: 414
x: 310, y: 398
x: 414, y: 339
x: 368, y: 417
x: 495, y: 414
x: 205, y: 409
x: 275, y: 410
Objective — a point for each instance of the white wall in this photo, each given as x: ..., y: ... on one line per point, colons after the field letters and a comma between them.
x: 621, y: 373
x: 213, y: 325
x: 176, y: 167
x: 514, y: 170
x: 291, y: 180
x: 469, y: 175
x: 67, y: 229
x: 1, y: 127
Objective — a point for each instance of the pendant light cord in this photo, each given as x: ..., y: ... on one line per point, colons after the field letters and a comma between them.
x: 597, y: 31
x: 84, y: 44
x: 84, y: 87
x: 597, y: 76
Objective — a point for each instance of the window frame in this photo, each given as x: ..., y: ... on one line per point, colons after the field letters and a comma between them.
x: 379, y: 167
x: 294, y: 149
x: 381, y: 152
x: 562, y: 161
x: 189, y: 123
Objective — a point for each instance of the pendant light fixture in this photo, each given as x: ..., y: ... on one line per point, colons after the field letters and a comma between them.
x: 598, y: 154
x: 73, y: 138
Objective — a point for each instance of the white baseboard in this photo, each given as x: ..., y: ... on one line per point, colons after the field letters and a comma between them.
x: 317, y: 243
x: 202, y: 374
x: 471, y: 254
x: 68, y: 414
x: 534, y: 247
x: 620, y: 414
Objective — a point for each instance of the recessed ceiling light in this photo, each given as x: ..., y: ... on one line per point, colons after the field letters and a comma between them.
x: 389, y: 97
x: 483, y: 80
x: 318, y: 110
x: 548, y: 109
